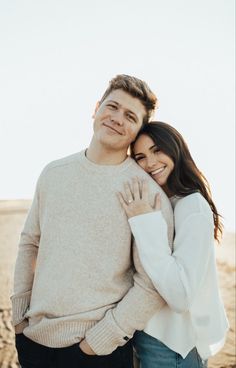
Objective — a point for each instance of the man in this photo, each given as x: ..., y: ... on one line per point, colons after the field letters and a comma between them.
x: 76, y: 298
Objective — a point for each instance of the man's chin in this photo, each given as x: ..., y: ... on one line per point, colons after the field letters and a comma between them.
x: 113, y: 145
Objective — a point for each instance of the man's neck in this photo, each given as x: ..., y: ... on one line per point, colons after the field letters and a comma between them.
x: 104, y: 155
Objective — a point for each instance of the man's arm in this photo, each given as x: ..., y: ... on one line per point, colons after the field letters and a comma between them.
x: 25, y: 266
x: 132, y: 313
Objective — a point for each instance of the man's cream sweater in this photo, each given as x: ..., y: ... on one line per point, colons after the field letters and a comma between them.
x: 74, y: 274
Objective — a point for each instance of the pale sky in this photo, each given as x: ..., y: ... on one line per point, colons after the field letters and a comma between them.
x: 57, y: 57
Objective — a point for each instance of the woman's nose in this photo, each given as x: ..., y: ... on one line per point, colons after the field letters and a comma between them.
x: 151, y: 161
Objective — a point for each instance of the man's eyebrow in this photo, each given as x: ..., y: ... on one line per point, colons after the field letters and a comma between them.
x: 113, y: 102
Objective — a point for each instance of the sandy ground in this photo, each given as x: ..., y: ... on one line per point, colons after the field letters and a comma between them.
x: 12, y: 216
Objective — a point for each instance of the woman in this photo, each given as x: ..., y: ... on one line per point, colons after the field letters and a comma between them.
x: 192, y: 325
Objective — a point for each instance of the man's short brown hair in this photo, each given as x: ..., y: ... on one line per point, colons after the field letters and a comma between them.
x: 136, y: 88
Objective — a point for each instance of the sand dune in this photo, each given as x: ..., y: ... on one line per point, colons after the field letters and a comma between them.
x: 12, y: 216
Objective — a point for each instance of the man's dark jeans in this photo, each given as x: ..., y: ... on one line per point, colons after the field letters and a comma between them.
x: 33, y: 355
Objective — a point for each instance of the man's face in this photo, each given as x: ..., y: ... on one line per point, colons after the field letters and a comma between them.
x: 117, y: 120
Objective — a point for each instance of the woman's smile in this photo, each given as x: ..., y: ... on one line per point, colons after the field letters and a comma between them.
x: 158, y: 171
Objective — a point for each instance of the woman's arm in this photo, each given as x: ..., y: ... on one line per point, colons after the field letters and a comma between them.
x: 178, y: 275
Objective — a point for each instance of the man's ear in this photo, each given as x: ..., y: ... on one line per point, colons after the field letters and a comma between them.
x: 96, y: 109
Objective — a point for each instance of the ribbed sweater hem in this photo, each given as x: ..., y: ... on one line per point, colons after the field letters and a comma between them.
x: 58, y: 334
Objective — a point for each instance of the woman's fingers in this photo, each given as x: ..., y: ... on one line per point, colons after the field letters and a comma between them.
x: 135, y: 198
x: 122, y: 200
x: 136, y: 188
x: 138, y: 191
x: 128, y: 193
x: 144, y: 191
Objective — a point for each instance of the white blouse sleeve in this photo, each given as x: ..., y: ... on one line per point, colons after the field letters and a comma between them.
x: 178, y: 275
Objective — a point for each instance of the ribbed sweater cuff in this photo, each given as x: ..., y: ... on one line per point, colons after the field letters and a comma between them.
x: 20, y: 304
x: 106, y: 335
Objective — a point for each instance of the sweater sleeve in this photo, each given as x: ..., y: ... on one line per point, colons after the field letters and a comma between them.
x: 132, y: 313
x: 176, y: 276
x: 25, y: 263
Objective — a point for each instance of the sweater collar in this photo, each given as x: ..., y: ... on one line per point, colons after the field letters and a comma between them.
x: 104, y: 169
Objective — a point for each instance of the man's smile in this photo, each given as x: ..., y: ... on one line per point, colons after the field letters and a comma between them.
x: 112, y: 128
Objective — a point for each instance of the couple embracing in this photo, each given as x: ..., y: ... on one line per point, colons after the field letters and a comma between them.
x: 117, y: 252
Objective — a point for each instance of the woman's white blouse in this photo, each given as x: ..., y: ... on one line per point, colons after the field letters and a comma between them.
x: 185, y: 275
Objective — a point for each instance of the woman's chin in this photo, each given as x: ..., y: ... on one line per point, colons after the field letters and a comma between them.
x: 159, y: 181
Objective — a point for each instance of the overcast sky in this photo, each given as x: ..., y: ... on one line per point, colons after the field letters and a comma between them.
x: 57, y: 57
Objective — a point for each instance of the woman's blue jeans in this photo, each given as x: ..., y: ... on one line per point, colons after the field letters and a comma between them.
x: 154, y: 354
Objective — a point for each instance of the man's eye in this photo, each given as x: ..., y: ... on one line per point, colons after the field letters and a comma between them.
x: 112, y: 106
x: 131, y: 117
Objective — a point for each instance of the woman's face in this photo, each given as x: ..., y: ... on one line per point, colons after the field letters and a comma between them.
x: 155, y: 162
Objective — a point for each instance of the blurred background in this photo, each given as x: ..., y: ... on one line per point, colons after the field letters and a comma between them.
x: 57, y: 57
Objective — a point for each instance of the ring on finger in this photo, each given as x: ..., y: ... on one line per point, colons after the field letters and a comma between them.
x: 130, y: 200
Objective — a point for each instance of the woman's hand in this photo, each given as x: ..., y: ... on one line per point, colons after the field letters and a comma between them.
x: 135, y: 198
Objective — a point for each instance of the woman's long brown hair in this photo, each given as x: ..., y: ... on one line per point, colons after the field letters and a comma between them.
x: 185, y: 178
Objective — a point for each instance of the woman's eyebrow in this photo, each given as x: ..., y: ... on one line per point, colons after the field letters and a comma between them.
x: 150, y: 148
x: 154, y: 146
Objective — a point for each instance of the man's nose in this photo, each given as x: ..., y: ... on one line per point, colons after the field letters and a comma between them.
x: 117, y: 117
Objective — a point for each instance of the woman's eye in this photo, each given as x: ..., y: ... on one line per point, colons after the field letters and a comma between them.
x: 139, y: 158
